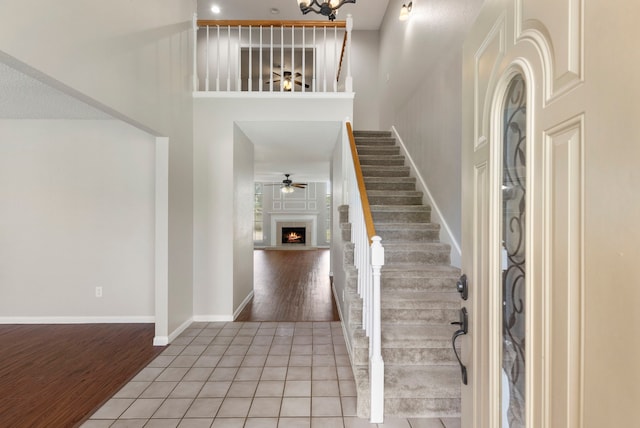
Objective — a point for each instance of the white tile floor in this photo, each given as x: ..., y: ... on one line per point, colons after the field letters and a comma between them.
x: 247, y: 375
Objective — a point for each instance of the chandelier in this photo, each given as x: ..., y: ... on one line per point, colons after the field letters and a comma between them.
x: 328, y: 8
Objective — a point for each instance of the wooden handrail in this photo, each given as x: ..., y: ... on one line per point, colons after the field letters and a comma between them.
x: 269, y: 23
x: 366, y: 208
x: 344, y: 45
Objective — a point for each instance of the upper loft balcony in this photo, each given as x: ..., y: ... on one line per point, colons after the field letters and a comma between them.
x: 279, y: 59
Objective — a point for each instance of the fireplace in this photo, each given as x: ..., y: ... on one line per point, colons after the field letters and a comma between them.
x: 294, y: 235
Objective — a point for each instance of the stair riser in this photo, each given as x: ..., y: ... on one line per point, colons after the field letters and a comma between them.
x: 382, y: 160
x: 417, y: 317
x: 395, y: 200
x: 375, y: 141
x: 377, y: 171
x: 427, y: 257
x: 419, y: 284
x: 422, y: 407
x: 401, y: 217
x: 389, y: 185
x: 343, y: 214
x: 348, y: 255
x: 378, y: 150
x: 372, y: 134
x: 409, y: 356
x: 409, y: 235
x: 413, y: 407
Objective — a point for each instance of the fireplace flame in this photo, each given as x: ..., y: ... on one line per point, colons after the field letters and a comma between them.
x: 293, y: 237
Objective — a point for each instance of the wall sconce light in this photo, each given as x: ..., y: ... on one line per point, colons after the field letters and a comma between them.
x: 405, y: 11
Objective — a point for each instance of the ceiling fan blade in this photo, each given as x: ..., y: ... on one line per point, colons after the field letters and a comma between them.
x: 300, y: 84
x: 299, y: 186
x: 277, y: 74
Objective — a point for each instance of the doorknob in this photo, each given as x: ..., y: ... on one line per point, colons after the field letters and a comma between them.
x: 463, y: 287
x: 464, y: 329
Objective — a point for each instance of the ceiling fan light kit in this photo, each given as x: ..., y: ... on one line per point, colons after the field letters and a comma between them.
x: 328, y: 8
x: 288, y: 186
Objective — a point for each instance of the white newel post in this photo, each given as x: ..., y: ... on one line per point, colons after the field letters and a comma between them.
x: 348, y: 83
x: 195, y: 52
x: 376, y: 364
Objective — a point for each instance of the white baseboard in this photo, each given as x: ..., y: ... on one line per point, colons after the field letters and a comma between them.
x: 342, y: 323
x: 436, y: 214
x: 165, y: 340
x: 160, y: 340
x: 244, y: 303
x: 79, y: 320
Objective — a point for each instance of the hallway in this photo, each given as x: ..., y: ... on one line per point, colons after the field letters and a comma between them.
x: 291, y: 285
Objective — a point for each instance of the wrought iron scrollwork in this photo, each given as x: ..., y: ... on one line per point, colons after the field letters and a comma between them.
x: 514, y: 254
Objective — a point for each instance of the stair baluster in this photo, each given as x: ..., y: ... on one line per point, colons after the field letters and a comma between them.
x: 369, y: 259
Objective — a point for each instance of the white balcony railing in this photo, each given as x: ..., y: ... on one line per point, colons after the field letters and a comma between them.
x: 272, y: 56
x: 368, y: 258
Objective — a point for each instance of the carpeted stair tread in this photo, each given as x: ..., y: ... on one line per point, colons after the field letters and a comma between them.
x: 385, y: 171
x: 416, y: 269
x: 403, y: 232
x: 389, y: 180
x: 386, y: 160
x: 375, y: 192
x: 363, y: 133
x: 378, y: 151
x: 375, y: 141
x: 416, y: 252
x: 411, y: 336
x: 420, y: 299
x: 399, y: 208
x: 394, y: 197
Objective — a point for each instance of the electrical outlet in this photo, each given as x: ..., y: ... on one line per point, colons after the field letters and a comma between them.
x: 98, y: 291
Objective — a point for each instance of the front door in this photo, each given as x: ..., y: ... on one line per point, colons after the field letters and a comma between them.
x: 522, y: 181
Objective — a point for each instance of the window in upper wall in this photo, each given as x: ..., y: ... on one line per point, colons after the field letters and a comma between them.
x: 328, y: 200
x: 258, y: 223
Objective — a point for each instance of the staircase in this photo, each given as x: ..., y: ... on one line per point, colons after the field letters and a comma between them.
x: 419, y: 298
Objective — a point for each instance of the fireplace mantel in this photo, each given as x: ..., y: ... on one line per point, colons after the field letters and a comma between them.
x: 312, y: 239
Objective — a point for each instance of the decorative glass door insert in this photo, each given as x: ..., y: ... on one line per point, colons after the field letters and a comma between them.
x: 514, y: 254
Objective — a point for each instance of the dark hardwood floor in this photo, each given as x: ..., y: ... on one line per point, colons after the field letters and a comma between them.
x: 54, y: 376
x: 291, y: 285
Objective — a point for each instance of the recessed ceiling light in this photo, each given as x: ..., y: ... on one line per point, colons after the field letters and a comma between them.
x: 275, y: 11
x: 215, y: 9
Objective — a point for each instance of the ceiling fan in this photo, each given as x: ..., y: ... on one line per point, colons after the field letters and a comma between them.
x: 288, y: 186
x: 287, y: 79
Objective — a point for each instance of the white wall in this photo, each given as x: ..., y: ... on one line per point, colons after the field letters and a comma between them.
x: 77, y: 213
x: 242, y: 217
x: 133, y: 59
x: 419, y: 78
x: 365, y: 46
x: 214, y: 172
